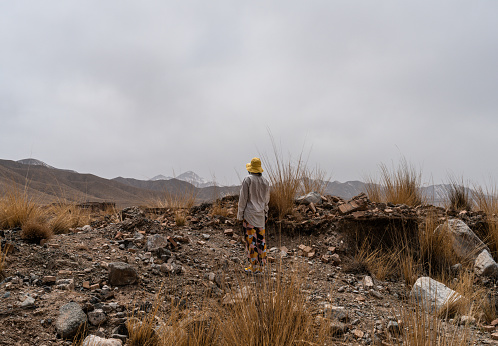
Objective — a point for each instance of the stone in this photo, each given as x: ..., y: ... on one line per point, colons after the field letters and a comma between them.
x: 337, y: 328
x: 65, y: 284
x: 336, y: 312
x: 336, y: 259
x: 93, y: 340
x: 156, y: 242
x: 467, y: 320
x: 485, y: 265
x: 71, y: 318
x: 433, y: 295
x: 368, y: 282
x: 97, y: 317
x: 464, y: 241
x: 358, y: 333
x: 28, y: 302
x: 121, y: 274
x: 494, y: 336
x: 86, y: 228
x: 312, y: 197
x: 228, y: 232
x: 375, y: 294
x: 49, y: 280
x: 393, y: 327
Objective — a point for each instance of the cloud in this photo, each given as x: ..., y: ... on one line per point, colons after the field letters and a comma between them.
x: 140, y: 89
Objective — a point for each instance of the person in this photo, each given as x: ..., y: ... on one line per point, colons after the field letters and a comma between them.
x: 253, y: 212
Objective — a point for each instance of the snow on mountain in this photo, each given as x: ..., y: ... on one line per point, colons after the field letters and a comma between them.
x: 34, y: 162
x: 189, y: 177
x: 160, y: 177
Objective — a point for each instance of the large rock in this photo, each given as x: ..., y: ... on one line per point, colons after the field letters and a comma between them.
x: 433, y: 295
x: 71, y: 319
x: 121, y: 274
x: 312, y: 197
x: 466, y: 244
x: 485, y: 265
x: 93, y: 340
x: 156, y: 242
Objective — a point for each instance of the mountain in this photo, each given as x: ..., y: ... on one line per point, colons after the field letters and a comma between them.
x: 160, y: 177
x: 189, y: 177
x: 35, y: 162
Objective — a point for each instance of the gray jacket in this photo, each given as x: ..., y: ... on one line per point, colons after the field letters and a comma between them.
x: 253, y: 200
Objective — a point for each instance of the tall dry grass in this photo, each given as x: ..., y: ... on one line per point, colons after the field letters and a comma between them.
x: 257, y: 310
x: 397, y: 185
x: 16, y: 206
x: 457, y: 195
x: 486, y: 200
x: 63, y: 216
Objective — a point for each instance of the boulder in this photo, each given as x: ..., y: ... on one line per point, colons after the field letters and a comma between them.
x: 93, y: 340
x: 312, y: 197
x: 121, y: 274
x: 466, y: 244
x: 433, y: 295
x: 485, y: 265
x: 156, y: 242
x: 71, y: 318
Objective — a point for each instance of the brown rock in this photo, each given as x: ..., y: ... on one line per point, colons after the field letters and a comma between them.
x: 228, y: 232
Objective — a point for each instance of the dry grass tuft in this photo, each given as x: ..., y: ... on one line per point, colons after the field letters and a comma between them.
x: 36, y: 229
x: 269, y: 311
x: 313, y: 180
x: 457, y: 195
x: 486, y: 200
x: 64, y: 216
x: 16, y: 207
x: 400, y: 185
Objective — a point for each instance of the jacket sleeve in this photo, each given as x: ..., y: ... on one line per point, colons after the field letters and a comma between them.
x: 243, y: 196
x: 267, y: 200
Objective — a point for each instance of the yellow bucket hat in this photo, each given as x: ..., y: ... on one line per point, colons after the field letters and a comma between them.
x: 254, y: 166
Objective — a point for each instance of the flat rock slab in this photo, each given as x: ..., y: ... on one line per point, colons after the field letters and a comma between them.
x: 433, y: 295
x: 121, y: 274
x: 93, y: 340
x: 466, y: 243
x: 71, y: 318
x: 311, y: 198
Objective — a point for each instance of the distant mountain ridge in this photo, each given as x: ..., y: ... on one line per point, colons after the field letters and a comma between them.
x: 35, y: 162
x: 189, y: 177
x: 49, y: 184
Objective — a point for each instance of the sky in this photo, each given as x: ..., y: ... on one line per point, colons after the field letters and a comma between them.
x: 141, y: 88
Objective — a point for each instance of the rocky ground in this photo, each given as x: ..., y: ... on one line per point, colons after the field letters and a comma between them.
x: 114, y: 268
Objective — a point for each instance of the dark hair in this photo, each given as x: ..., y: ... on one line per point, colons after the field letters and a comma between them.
x: 258, y: 174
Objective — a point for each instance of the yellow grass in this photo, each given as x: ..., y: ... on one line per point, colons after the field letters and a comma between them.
x: 257, y: 310
x: 486, y: 200
x: 457, y: 195
x: 400, y: 185
x: 16, y: 207
x: 63, y: 216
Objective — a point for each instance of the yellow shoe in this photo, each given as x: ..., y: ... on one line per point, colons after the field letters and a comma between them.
x: 249, y: 270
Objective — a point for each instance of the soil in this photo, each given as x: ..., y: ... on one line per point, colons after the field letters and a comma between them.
x: 206, y: 261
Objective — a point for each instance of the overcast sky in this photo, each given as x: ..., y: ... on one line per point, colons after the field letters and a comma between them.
x: 141, y: 88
